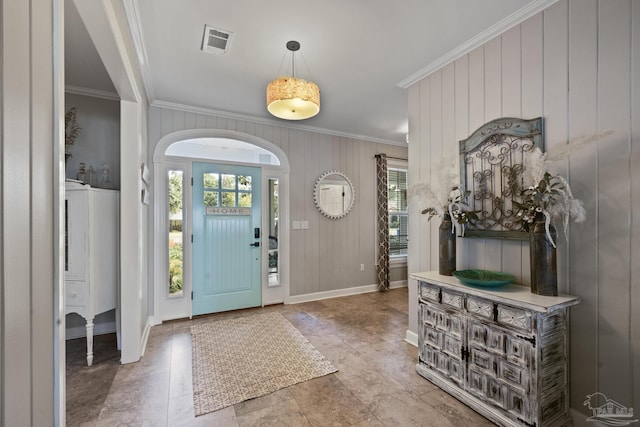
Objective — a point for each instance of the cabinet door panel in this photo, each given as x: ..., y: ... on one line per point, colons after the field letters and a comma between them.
x: 478, y: 334
x: 497, y: 393
x: 512, y: 374
x: 481, y: 359
x: 517, y: 404
x: 477, y: 383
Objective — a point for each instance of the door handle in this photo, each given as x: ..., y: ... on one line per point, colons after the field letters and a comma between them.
x: 256, y: 244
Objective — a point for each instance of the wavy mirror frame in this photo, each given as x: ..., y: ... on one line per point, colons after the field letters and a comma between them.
x: 491, y: 167
x: 316, y: 195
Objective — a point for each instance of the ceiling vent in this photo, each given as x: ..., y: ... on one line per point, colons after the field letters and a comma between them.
x: 216, y: 40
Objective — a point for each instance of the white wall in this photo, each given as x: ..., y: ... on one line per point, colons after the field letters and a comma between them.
x: 578, y: 65
x: 98, y: 140
x: 328, y: 255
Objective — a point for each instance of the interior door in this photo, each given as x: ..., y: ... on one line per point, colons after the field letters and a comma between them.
x: 226, y: 237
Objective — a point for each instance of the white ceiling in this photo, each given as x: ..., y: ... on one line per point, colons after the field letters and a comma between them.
x: 357, y: 51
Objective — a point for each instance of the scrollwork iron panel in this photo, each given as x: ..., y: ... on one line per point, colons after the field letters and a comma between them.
x: 491, y: 167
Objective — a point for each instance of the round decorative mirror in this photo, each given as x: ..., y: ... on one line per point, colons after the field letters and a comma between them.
x: 334, y: 194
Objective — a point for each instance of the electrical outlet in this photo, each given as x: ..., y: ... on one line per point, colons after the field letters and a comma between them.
x: 361, y: 267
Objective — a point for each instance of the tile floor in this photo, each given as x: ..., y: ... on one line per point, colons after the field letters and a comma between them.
x: 362, y: 335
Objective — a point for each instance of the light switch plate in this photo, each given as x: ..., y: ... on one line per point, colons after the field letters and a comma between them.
x: 304, y: 225
x: 296, y: 225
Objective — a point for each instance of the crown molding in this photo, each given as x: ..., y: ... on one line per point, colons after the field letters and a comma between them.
x: 495, y: 30
x: 260, y: 120
x: 94, y: 93
x: 135, y: 28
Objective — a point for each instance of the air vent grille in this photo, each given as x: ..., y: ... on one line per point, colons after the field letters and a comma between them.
x: 216, y: 40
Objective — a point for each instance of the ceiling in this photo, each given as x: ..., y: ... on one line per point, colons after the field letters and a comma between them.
x: 359, y: 52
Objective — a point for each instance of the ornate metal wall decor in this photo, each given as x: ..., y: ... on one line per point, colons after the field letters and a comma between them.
x: 491, y: 166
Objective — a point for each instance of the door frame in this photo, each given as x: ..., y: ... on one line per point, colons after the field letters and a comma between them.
x: 176, y: 307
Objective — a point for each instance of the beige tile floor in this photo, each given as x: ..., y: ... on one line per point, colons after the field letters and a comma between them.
x: 362, y: 335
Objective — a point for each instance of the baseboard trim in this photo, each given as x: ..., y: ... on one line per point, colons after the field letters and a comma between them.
x: 145, y: 335
x: 411, y: 337
x: 101, y: 328
x: 318, y: 296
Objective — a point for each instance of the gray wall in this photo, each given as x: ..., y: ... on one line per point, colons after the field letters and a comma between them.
x: 328, y: 255
x: 578, y: 65
x: 99, y: 137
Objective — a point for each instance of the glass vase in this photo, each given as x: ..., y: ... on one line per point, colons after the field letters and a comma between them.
x: 447, y: 242
x: 544, y: 270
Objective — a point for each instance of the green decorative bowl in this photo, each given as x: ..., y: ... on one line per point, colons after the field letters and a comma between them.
x: 484, y: 277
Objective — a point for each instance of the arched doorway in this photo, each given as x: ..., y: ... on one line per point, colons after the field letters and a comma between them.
x: 175, y: 157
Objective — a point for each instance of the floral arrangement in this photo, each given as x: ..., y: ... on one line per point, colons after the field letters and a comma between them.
x: 442, y: 196
x: 549, y: 195
x: 71, y: 127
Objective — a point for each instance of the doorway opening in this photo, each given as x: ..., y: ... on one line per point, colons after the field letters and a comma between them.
x: 192, y: 170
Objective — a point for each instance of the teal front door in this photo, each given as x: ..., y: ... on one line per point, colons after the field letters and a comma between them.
x: 226, y: 238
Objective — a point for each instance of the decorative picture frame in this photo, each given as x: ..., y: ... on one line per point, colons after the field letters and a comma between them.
x: 491, y: 167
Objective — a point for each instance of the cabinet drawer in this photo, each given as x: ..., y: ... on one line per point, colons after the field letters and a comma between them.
x: 429, y: 292
x: 74, y: 294
x: 514, y: 317
x: 480, y: 307
x: 452, y: 299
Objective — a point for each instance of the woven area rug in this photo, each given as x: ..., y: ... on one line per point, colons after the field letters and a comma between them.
x: 239, y: 359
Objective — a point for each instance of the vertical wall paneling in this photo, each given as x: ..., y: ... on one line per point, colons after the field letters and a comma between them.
x: 477, y: 258
x: 583, y: 255
x: 449, y: 142
x: 613, y: 193
x: 30, y: 83
x: 424, y: 176
x: 577, y: 64
x: 531, y: 93
x: 461, y: 130
x: 16, y: 198
x: 635, y: 202
x: 438, y: 162
x: 512, y: 250
x: 415, y: 218
x: 493, y: 110
x: 555, y: 105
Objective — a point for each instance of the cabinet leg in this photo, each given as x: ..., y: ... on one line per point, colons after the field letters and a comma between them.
x: 89, y: 342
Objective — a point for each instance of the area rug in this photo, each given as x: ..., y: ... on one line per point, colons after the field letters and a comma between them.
x: 239, y: 359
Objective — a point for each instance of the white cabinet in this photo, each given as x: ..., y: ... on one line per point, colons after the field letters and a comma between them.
x: 91, y: 254
x: 502, y: 351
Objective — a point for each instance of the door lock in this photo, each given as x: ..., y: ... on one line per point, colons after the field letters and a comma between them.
x: 256, y: 244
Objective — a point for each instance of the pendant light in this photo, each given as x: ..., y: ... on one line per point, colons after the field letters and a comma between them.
x: 291, y: 98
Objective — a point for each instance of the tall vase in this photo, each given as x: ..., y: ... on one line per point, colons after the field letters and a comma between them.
x: 544, y: 270
x: 447, y: 241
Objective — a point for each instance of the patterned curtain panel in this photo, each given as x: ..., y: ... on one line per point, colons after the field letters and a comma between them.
x: 383, y: 222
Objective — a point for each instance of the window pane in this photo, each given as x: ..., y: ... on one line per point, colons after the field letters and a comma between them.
x: 398, y: 219
x: 244, y: 182
x: 244, y: 200
x: 397, y: 190
x: 211, y: 180
x: 228, y: 198
x: 274, y: 275
x: 228, y: 182
x: 398, y: 227
x: 211, y: 198
x: 175, y: 232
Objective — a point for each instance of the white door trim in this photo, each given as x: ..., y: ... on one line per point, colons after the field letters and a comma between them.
x: 166, y: 308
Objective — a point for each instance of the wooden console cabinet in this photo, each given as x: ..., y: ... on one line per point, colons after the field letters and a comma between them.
x: 91, y: 254
x: 502, y: 351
